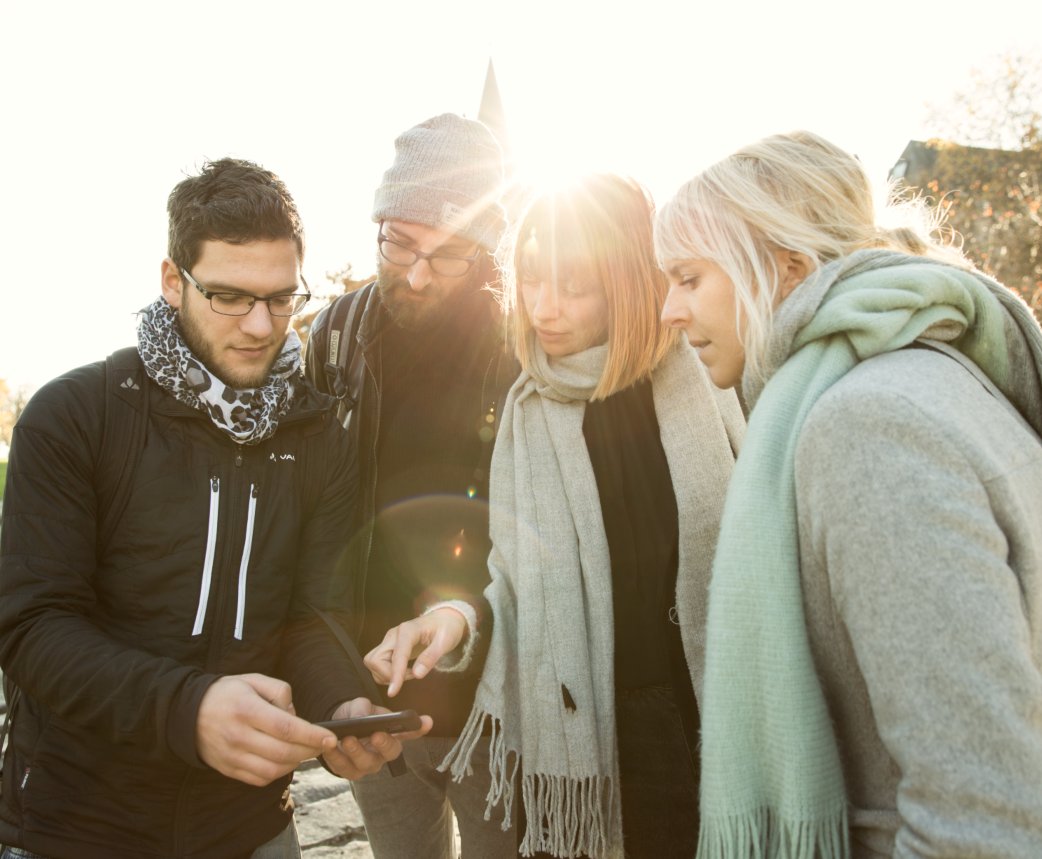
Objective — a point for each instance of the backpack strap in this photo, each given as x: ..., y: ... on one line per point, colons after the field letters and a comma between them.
x: 340, y: 366
x: 122, y: 438
x: 344, y: 366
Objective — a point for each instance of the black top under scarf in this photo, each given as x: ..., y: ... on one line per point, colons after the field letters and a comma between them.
x: 640, y: 522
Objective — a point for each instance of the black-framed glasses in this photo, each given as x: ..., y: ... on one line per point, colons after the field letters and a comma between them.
x: 241, y: 303
x: 442, y: 264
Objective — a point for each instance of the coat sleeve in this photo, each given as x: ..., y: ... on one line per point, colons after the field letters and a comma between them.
x: 469, y: 656
x: 898, y: 509
x: 50, y: 644
x: 314, y: 662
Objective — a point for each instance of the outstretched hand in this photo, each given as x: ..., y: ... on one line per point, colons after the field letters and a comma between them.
x: 355, y: 757
x: 421, y: 641
x: 247, y: 729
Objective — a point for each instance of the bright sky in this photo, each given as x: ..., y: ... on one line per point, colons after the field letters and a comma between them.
x: 106, y: 105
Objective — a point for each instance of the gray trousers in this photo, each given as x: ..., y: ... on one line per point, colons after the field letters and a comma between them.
x: 283, y: 846
x: 412, y: 815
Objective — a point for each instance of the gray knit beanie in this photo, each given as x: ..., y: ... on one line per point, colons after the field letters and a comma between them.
x: 447, y: 172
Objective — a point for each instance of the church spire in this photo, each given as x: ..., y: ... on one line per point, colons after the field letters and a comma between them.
x: 491, y: 114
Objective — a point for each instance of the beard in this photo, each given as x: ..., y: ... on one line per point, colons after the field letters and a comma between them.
x: 207, y: 352
x: 430, y: 308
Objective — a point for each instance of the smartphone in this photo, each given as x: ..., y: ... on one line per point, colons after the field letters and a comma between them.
x: 363, y: 726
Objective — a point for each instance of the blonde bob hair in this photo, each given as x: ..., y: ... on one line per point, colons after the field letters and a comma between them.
x: 793, y: 192
x: 598, y: 228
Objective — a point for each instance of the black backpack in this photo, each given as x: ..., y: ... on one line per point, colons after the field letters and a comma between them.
x: 343, y: 365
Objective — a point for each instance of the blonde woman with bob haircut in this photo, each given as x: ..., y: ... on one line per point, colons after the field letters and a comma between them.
x: 608, y: 477
x: 873, y: 676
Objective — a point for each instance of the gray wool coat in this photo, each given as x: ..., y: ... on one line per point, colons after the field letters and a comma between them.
x: 919, y: 499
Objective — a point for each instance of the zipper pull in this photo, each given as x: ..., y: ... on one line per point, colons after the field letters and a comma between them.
x: 214, y: 483
x: 25, y: 779
x: 238, y: 458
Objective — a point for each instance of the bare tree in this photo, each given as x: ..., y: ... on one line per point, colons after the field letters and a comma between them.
x: 1001, y: 108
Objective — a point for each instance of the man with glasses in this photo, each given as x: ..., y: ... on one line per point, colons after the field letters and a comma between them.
x: 168, y: 670
x: 419, y: 362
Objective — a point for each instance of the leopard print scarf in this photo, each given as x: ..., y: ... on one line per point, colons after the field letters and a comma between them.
x: 249, y: 416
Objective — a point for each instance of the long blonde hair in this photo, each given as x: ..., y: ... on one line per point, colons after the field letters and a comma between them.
x: 795, y: 192
x: 600, y: 227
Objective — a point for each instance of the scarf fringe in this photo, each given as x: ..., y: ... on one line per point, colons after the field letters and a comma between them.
x: 581, y: 813
x: 763, y: 835
x: 504, y: 776
x: 565, y: 816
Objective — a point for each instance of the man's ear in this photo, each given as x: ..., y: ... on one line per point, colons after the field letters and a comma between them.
x: 793, y: 268
x: 172, y: 283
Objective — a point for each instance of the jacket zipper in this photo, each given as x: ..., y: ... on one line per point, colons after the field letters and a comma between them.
x: 240, y: 604
x: 211, y: 547
x: 226, y: 555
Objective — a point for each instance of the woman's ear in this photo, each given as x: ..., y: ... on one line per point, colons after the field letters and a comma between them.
x: 793, y: 268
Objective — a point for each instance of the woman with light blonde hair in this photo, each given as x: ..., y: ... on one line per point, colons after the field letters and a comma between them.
x: 607, y: 480
x: 873, y: 677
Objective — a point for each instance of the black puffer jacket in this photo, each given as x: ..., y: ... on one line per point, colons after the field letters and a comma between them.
x: 216, y: 560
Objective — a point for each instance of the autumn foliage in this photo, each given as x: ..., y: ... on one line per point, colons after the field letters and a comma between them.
x: 984, y: 166
x: 993, y: 199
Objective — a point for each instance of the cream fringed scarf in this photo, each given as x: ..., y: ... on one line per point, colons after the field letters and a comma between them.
x: 548, y: 682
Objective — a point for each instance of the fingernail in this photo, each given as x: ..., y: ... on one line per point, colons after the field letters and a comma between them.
x: 419, y: 670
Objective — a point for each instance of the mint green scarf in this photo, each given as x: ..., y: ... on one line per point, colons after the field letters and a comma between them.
x: 772, y: 782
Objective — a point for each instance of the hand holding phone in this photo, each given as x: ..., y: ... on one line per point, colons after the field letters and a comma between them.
x: 363, y: 726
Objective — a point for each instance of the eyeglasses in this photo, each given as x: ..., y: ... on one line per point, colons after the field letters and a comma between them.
x: 446, y: 266
x: 241, y: 303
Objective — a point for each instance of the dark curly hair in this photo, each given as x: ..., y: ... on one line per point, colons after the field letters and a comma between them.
x: 230, y: 201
